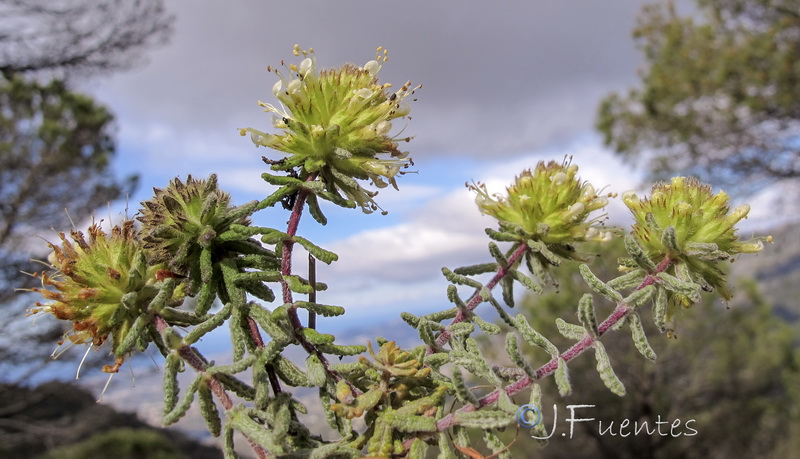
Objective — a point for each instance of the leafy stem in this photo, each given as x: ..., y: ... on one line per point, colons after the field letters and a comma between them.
x: 286, y: 270
x: 477, y: 297
x: 619, y: 314
x: 191, y: 356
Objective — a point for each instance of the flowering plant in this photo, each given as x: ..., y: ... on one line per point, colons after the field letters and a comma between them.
x: 335, y: 132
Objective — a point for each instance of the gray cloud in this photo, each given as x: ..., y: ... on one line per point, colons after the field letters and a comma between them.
x: 502, y: 78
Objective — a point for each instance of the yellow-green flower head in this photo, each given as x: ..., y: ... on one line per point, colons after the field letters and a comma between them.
x: 338, y: 123
x: 549, y: 204
x: 101, y: 285
x: 704, y: 227
x: 181, y: 220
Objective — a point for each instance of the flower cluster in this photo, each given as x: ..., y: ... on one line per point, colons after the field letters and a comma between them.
x: 336, y: 123
x: 179, y: 221
x: 102, y: 285
x: 549, y: 204
x: 704, y: 228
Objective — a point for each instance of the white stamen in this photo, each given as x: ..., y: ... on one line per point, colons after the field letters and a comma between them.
x: 105, y: 387
x: 64, y: 347
x: 78, y: 374
x: 133, y: 376
x: 152, y: 358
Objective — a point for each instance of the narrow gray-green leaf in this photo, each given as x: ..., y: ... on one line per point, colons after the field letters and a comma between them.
x: 316, y: 338
x: 316, y: 371
x: 536, y: 400
x: 680, y: 287
x: 461, y: 329
x: 290, y: 373
x: 526, y: 281
x: 569, y: 330
x: 628, y: 280
x: 183, y: 404
x: 495, y: 444
x: 512, y: 349
x: 508, y: 291
x: 607, y: 374
x: 598, y: 286
x: 418, y: 450
x: 586, y: 314
x: 541, y: 248
x: 206, y: 326
x: 486, y: 327
x: 337, y: 349
x: 504, y: 402
x: 638, y: 255
x: 227, y: 444
x: 171, y: 389
x: 459, y: 279
x: 445, y: 451
x: 660, y: 310
x: 462, y: 391
x: 639, y: 298
x: 533, y: 337
x: 208, y: 409
x: 670, y: 240
x: 639, y: 336
x: 315, y: 210
x: 324, y: 310
x: 495, y: 251
x: 484, y: 419
x: 501, y: 236
x: 409, y: 422
x: 474, y: 270
x: 562, y: 378
x: 325, y: 256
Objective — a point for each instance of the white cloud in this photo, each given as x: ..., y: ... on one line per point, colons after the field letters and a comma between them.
x: 402, y: 262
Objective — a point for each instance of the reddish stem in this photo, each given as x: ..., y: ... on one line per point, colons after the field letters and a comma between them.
x: 477, y: 298
x: 286, y: 270
x: 191, y: 356
x: 620, y: 312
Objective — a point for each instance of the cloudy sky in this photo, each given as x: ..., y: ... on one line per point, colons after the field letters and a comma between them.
x: 504, y: 86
